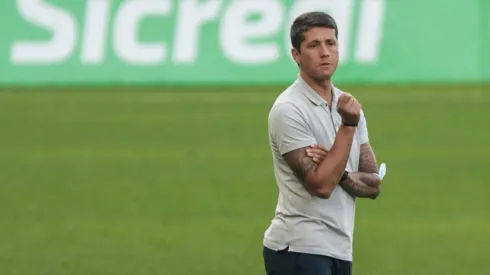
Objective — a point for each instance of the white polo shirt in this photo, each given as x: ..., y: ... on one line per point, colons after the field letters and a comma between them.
x: 299, y: 118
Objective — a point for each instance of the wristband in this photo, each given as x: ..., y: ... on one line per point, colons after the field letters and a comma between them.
x: 344, y: 176
x: 349, y: 124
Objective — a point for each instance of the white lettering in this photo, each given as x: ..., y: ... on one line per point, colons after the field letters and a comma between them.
x: 236, y: 29
x: 94, y: 36
x: 126, y: 43
x: 370, y: 31
x: 191, y: 16
x: 58, y: 21
x: 340, y: 10
x: 247, y: 30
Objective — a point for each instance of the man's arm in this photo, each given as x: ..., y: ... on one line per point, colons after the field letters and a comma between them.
x: 366, y: 183
x: 321, y: 179
x: 367, y: 159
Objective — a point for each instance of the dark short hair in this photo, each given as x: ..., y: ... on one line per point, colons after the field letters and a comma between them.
x: 307, y: 21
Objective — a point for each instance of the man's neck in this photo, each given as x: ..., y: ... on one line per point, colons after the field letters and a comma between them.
x: 322, y: 88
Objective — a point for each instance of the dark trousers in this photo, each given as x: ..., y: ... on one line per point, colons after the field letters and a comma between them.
x: 285, y: 262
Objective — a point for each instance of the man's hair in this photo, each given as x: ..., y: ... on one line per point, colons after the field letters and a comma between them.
x: 307, y: 21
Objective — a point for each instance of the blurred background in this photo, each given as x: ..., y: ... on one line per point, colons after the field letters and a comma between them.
x: 133, y: 134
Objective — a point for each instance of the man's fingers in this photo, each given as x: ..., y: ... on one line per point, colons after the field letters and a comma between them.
x: 357, y: 103
x: 340, y: 101
x: 319, y: 155
x: 316, y: 155
x: 349, y: 105
x: 318, y: 146
x: 347, y: 100
x: 318, y: 150
x: 354, y: 107
x: 344, y: 101
x: 321, y: 152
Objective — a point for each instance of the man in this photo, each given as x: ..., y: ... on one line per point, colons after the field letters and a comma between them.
x: 312, y: 230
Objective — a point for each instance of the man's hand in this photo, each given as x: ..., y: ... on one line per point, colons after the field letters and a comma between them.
x: 317, y: 152
x: 349, y: 109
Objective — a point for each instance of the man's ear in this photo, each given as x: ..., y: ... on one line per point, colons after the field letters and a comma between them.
x: 295, y: 54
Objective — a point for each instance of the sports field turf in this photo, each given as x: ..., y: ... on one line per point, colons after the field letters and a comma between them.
x: 174, y: 181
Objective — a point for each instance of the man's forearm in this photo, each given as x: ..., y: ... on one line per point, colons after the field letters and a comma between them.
x: 367, y: 159
x: 362, y: 185
x: 330, y: 170
x: 369, y: 179
x: 321, y: 179
x: 365, y: 183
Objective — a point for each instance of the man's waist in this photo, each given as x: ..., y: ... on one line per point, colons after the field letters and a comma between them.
x: 341, y: 253
x: 309, y: 233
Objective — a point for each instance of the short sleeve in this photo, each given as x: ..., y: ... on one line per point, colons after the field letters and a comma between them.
x: 288, y: 128
x: 362, y: 130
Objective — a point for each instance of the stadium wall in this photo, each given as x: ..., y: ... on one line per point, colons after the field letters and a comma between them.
x: 193, y: 42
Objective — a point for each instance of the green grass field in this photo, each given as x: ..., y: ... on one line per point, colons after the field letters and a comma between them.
x: 140, y: 181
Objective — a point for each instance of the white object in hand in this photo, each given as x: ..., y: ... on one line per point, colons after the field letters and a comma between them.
x: 382, y: 170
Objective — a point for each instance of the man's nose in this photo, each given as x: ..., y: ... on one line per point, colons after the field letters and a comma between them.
x: 324, y: 52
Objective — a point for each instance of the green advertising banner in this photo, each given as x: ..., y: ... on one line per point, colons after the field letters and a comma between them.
x: 485, y: 32
x: 237, y: 41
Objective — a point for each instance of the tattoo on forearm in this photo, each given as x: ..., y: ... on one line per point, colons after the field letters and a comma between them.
x: 362, y: 185
x: 367, y: 160
x: 300, y: 162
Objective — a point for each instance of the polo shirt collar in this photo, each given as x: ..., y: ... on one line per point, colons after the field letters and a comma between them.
x: 314, y: 96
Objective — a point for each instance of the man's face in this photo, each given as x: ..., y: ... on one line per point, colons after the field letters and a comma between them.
x: 319, y: 55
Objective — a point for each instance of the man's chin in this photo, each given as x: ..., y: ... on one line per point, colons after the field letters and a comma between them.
x: 323, y: 77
